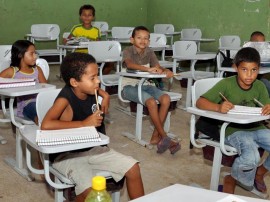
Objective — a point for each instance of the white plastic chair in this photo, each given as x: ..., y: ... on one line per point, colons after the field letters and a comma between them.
x: 191, y: 34
x: 103, y: 27
x: 158, y: 42
x: 122, y: 34
x: 46, y: 33
x: 43, y: 103
x: 187, y: 50
x: 106, y: 51
x: 5, y: 56
x: 200, y: 87
x: 228, y: 45
x: 167, y: 29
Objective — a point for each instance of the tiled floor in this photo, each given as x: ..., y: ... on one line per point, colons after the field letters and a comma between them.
x: 158, y: 171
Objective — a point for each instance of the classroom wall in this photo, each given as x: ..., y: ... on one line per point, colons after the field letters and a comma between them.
x: 213, y: 17
x: 16, y: 17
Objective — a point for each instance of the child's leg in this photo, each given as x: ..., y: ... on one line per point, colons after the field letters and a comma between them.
x: 259, y: 179
x: 245, y: 166
x: 134, y: 182
x: 158, y: 117
x: 229, y: 184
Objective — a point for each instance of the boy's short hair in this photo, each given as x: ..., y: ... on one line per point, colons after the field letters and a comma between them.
x: 247, y: 54
x: 256, y: 33
x: 138, y: 28
x: 73, y: 66
x: 87, y: 7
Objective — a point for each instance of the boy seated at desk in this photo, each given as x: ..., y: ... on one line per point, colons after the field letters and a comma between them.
x: 76, y: 106
x: 241, y: 90
x: 141, y: 57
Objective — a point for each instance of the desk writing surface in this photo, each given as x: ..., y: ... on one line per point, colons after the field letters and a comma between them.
x: 234, y: 118
x: 198, y: 40
x: 201, y: 56
x: 183, y: 193
x: 142, y: 75
x: 27, y: 90
x: 28, y: 133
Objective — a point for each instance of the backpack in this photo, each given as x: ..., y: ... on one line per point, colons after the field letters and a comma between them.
x: 227, y: 60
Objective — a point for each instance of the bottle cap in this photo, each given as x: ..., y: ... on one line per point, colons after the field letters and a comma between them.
x: 98, y: 183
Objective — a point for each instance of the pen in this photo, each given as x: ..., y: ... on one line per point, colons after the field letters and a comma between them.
x: 258, y: 102
x: 223, y: 97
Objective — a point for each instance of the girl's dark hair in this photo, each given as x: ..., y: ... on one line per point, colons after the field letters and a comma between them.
x: 87, y: 7
x: 247, y: 54
x: 138, y: 28
x: 73, y: 66
x: 18, y: 50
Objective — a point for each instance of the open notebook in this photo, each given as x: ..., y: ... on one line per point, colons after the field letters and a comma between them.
x: 245, y: 110
x: 10, y: 83
x: 67, y: 136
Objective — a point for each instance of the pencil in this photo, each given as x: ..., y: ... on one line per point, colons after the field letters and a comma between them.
x: 96, y: 99
x: 258, y: 102
x: 177, y: 74
x: 223, y: 97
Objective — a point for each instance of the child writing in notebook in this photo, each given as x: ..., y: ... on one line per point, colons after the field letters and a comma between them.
x: 241, y: 90
x: 23, y: 66
x: 86, y: 30
x: 74, y: 107
x: 141, y: 57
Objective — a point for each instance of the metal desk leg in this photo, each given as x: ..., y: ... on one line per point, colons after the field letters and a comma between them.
x: 17, y: 164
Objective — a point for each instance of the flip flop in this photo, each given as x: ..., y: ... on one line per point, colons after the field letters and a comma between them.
x: 260, y: 186
x: 174, y: 147
x: 163, y: 145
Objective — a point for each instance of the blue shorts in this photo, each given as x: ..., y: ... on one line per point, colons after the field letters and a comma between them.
x: 131, y: 93
x: 30, y: 112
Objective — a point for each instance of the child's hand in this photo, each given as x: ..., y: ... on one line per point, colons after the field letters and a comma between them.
x: 155, y: 70
x: 94, y: 120
x: 225, y: 107
x: 266, y: 110
x: 105, y: 104
x: 169, y: 73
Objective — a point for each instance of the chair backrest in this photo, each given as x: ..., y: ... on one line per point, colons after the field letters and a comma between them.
x: 157, y: 39
x: 163, y: 28
x: 232, y: 41
x: 202, y: 86
x: 122, y: 32
x: 191, y: 33
x: 103, y: 51
x: 5, y: 52
x: 43, y: 64
x: 184, y: 48
x: 65, y: 35
x: 39, y: 31
x: 44, y: 102
x: 103, y: 26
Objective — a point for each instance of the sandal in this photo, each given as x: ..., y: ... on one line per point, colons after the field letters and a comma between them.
x: 174, y: 147
x: 163, y: 145
x: 260, y: 186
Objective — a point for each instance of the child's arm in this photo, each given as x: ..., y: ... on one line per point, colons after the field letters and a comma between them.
x: 224, y: 107
x: 266, y: 109
x: 7, y: 73
x: 105, y: 101
x: 41, y: 76
x: 60, y: 115
x: 66, y: 39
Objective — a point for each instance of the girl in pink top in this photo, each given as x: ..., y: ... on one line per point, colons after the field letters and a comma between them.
x: 23, y: 66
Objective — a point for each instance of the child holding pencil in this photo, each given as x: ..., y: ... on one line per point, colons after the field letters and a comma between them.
x: 77, y: 106
x: 243, y: 89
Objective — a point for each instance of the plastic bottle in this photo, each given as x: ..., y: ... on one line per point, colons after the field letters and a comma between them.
x: 98, y: 192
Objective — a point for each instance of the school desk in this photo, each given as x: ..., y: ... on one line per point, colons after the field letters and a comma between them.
x: 12, y: 93
x: 184, y: 193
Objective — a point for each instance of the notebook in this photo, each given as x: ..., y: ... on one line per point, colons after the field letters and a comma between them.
x: 245, y: 110
x: 10, y: 83
x: 67, y: 136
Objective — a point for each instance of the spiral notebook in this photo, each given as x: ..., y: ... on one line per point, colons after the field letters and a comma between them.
x: 245, y: 110
x: 11, y: 83
x: 67, y: 136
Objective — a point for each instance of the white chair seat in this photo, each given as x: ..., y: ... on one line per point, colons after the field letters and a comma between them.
x: 111, y: 79
x: 198, y: 75
x: 48, y: 52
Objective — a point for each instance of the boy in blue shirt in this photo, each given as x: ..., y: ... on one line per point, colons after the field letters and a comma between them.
x: 241, y: 90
